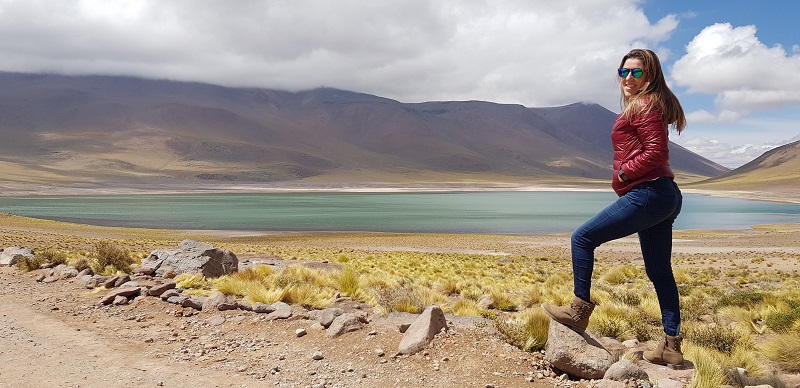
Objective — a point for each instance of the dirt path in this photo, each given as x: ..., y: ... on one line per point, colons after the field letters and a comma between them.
x: 56, y: 335
x: 40, y: 349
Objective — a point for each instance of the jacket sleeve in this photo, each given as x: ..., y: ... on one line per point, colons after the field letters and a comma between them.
x: 654, y: 151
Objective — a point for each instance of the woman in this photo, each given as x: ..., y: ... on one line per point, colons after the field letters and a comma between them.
x: 648, y: 204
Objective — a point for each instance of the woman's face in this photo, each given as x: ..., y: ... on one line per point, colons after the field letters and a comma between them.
x: 632, y: 86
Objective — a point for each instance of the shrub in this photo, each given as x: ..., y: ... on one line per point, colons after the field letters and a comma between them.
x: 742, y: 299
x: 191, y: 281
x: 605, y: 327
x: 467, y: 308
x: 347, y: 281
x: 784, y: 350
x: 399, y: 299
x: 642, y: 328
x: 82, y: 264
x: 526, y: 330
x: 52, y: 256
x: 111, y: 258
x: 503, y: 301
x: 782, y: 321
x: 27, y: 264
x: 627, y: 297
x: 449, y: 287
x: 715, y: 337
x: 308, y: 296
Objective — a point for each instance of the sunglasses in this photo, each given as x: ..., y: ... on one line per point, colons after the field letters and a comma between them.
x: 636, y: 72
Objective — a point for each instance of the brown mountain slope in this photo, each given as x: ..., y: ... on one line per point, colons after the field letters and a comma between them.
x: 777, y: 170
x: 61, y: 129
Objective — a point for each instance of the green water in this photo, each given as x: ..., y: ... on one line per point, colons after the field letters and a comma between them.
x: 455, y: 212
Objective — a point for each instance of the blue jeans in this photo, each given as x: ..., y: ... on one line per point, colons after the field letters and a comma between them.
x: 649, y: 209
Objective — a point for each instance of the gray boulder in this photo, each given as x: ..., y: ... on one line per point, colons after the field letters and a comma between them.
x: 422, y: 331
x: 192, y: 257
x: 579, y: 355
x: 10, y: 256
x: 345, y: 323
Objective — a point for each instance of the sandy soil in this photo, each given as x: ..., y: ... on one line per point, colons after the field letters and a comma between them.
x: 57, y: 335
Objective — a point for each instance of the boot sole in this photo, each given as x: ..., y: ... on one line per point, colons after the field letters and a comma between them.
x: 681, y: 366
x: 573, y: 327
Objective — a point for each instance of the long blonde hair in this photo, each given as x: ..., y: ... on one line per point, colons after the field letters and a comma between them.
x: 654, y: 95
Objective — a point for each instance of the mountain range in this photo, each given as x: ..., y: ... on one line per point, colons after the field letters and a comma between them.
x: 61, y: 130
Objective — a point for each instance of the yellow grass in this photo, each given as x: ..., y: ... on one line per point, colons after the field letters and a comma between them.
x: 438, y: 271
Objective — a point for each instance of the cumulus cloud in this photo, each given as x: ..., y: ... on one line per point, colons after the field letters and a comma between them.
x: 538, y: 53
x: 743, y: 73
x: 731, y: 156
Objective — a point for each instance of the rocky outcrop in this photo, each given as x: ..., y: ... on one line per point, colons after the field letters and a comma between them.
x: 190, y: 257
x: 10, y: 256
x: 578, y: 354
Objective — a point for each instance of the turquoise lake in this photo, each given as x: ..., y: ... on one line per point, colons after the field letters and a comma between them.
x: 451, y: 212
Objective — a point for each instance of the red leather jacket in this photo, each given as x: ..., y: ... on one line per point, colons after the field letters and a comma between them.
x: 640, y: 149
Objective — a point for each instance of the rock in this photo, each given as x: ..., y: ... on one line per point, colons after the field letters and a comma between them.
x: 122, y: 279
x: 486, y: 302
x: 192, y: 257
x: 279, y: 314
x: 194, y: 302
x: 631, y: 343
x: 159, y: 289
x: 609, y: 384
x: 68, y: 273
x: 119, y: 300
x: 345, y: 323
x: 623, y: 370
x: 170, y: 292
x: 10, y: 256
x: 669, y: 383
x: 216, y: 320
x: 261, y: 308
x: 128, y: 293
x: 317, y: 356
x: 213, y: 302
x: 578, y: 354
x: 96, y: 281
x: 300, y: 332
x: 84, y: 272
x: 111, y: 282
x: 176, y: 299
x: 147, y: 271
x: 423, y: 330
x: 327, y: 316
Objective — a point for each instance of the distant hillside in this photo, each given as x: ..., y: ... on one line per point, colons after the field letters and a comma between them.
x: 777, y: 170
x: 61, y: 129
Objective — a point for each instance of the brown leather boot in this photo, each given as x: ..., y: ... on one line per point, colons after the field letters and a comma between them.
x: 668, y: 352
x: 576, y: 315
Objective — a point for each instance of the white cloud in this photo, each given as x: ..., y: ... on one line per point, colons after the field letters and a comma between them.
x: 538, y: 53
x: 703, y: 116
x: 744, y: 73
x: 731, y: 156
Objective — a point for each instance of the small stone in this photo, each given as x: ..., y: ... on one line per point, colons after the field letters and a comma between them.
x: 317, y: 356
x: 379, y: 352
x: 300, y: 332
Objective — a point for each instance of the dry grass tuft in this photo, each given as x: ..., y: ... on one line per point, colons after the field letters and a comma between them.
x: 110, y: 258
x: 526, y: 330
x: 784, y: 350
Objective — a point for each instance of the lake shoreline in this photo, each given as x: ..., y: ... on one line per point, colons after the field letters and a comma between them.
x: 45, y: 190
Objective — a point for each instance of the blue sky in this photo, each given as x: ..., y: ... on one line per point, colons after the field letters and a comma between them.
x: 739, y: 139
x: 734, y: 64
